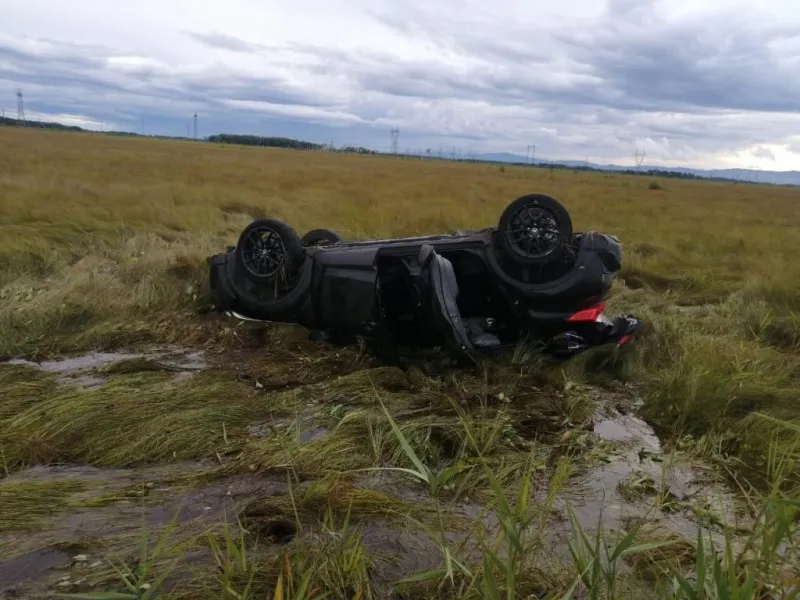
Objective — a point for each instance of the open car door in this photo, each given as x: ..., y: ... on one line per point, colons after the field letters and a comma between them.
x: 442, y: 302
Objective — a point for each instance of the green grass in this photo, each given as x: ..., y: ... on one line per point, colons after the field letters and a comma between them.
x: 103, y: 246
x: 131, y: 420
x: 24, y: 505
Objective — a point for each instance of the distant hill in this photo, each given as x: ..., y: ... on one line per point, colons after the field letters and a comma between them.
x: 774, y: 177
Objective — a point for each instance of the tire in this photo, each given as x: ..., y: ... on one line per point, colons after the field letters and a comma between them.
x: 542, y: 211
x: 320, y: 237
x: 284, y: 256
x: 250, y: 302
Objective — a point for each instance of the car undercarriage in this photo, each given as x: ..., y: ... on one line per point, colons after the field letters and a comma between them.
x: 475, y: 292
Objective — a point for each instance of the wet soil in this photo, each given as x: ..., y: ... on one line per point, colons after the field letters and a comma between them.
x: 92, y: 370
x: 627, y: 477
x: 31, y: 566
x: 632, y: 480
x: 305, y: 429
x: 112, y: 512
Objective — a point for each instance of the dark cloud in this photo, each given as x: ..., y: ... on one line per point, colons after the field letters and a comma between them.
x: 597, y: 84
x: 578, y: 107
x: 633, y: 58
x: 92, y: 76
x: 691, y: 66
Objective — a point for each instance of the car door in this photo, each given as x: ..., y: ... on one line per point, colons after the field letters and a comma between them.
x: 445, y: 315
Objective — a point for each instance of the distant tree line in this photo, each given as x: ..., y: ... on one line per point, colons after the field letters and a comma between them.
x: 11, y: 122
x: 256, y: 140
x: 650, y: 172
x: 355, y: 150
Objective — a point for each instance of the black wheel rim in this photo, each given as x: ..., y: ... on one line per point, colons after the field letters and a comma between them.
x: 533, y: 232
x: 263, y: 252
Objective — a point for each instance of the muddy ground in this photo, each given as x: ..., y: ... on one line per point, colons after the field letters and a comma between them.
x: 623, y: 474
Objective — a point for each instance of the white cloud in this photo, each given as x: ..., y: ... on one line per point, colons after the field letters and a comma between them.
x: 310, y: 113
x: 71, y: 120
x: 691, y: 82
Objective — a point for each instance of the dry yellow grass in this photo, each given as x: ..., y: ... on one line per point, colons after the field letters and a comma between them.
x: 104, y: 239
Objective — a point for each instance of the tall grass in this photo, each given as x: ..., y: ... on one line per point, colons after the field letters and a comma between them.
x: 329, y: 559
x: 104, y: 239
x: 102, y: 245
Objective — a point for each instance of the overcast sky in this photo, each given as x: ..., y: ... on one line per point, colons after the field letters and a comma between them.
x: 705, y: 83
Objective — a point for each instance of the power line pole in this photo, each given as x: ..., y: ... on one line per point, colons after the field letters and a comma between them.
x: 638, y: 158
x: 395, y: 132
x: 195, y: 126
x: 20, y: 107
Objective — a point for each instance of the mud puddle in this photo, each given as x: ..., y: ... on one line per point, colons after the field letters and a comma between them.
x: 625, y: 477
x: 632, y: 480
x: 398, y: 553
x: 92, y: 370
x: 110, y: 515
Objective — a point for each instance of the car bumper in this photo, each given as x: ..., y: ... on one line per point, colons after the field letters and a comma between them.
x: 618, y: 331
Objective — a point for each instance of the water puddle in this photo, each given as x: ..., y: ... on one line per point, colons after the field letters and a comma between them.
x: 635, y: 481
x: 114, y: 501
x: 75, y: 363
x: 92, y: 370
x: 626, y: 429
x: 117, y: 507
x: 397, y: 553
x: 31, y: 566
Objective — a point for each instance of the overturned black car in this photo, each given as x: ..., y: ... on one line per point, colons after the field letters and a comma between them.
x: 479, y: 291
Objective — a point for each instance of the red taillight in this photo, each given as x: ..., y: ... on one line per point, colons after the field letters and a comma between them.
x: 588, y: 315
x: 624, y: 340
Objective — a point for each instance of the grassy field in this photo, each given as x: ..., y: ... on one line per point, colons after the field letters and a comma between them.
x: 103, y: 246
